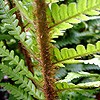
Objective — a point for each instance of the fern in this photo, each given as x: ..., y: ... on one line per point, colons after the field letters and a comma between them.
x: 35, y: 28
x: 23, y: 82
x: 62, y: 72
x: 78, y: 94
x: 66, y: 55
x: 17, y: 92
x: 20, y: 68
x: 81, y: 67
x: 64, y: 85
x: 14, y: 60
x: 13, y: 29
x: 85, y: 32
x: 64, y: 16
x: 73, y: 75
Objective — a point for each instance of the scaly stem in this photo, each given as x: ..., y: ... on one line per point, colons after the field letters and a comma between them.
x: 44, y: 44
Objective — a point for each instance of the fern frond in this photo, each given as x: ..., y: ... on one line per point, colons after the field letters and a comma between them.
x: 18, y: 93
x: 69, y: 37
x: 53, y: 1
x: 64, y: 85
x: 81, y: 67
x: 24, y: 11
x: 73, y: 37
x: 1, y: 75
x: 95, y: 61
x: 87, y: 94
x: 19, y: 66
x: 10, y: 24
x: 62, y: 72
x: 14, y: 60
x: 64, y: 16
x: 23, y: 81
x: 75, y: 75
x: 66, y: 55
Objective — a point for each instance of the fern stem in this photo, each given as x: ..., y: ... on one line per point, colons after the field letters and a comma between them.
x: 44, y: 44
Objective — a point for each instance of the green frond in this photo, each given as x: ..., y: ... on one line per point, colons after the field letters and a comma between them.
x: 52, y: 1
x: 1, y: 75
x: 19, y: 65
x: 75, y: 75
x: 18, y: 93
x: 87, y: 32
x: 62, y: 72
x: 78, y: 94
x: 3, y: 37
x: 64, y: 16
x: 24, y: 82
x: 73, y: 38
x: 60, y: 85
x: 60, y: 17
x: 10, y: 24
x: 14, y: 60
x: 81, y: 67
x: 95, y: 61
x: 66, y: 55
x: 25, y: 10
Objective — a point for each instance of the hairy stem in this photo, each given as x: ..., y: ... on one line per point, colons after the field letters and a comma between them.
x: 44, y: 44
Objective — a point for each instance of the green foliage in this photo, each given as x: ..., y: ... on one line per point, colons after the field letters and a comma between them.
x: 14, y: 60
x: 25, y: 9
x: 13, y: 29
x: 66, y: 55
x: 17, y: 92
x: 52, y: 1
x: 78, y: 94
x: 60, y: 85
x: 82, y: 33
x: 1, y: 75
x: 60, y: 17
x: 62, y: 72
x: 19, y: 72
x: 81, y: 67
x: 23, y: 81
x: 66, y: 15
x: 74, y: 75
